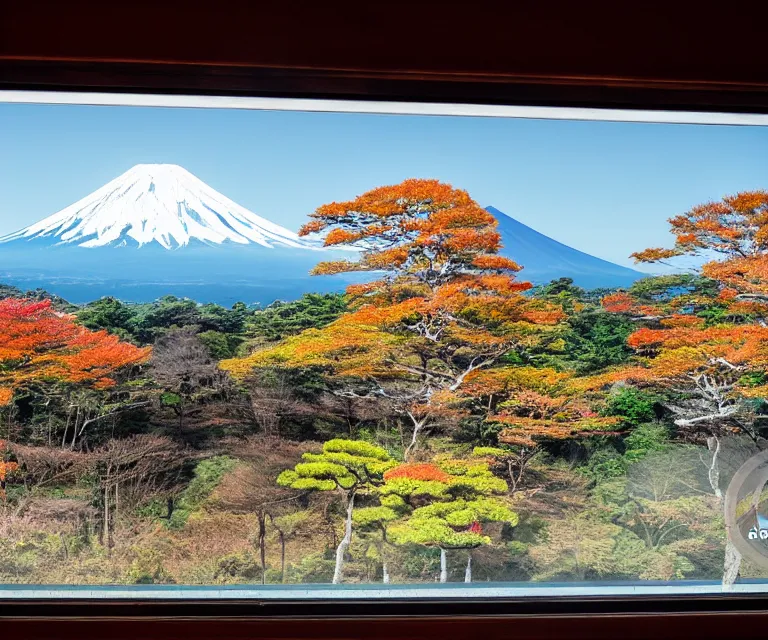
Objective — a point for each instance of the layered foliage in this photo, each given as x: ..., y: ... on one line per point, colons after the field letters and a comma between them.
x: 444, y: 504
x: 447, y: 306
x: 343, y: 464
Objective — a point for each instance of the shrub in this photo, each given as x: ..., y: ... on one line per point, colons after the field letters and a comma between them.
x: 635, y: 406
x: 313, y: 568
x: 147, y: 568
x: 646, y: 439
x: 237, y: 565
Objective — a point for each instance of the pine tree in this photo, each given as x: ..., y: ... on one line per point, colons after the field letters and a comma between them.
x: 348, y: 466
x: 444, y: 506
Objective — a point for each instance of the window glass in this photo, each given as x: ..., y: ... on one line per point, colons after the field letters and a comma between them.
x: 294, y: 349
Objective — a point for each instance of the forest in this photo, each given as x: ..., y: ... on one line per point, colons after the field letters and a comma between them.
x: 446, y: 421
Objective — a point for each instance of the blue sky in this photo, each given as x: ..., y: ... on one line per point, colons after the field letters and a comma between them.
x: 602, y: 187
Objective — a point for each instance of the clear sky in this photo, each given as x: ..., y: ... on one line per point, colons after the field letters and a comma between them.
x: 602, y: 187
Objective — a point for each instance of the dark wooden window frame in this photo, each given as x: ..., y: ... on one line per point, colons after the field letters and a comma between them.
x: 45, y: 67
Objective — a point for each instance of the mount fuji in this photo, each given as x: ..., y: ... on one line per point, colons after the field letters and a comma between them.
x: 157, y: 203
x: 158, y: 230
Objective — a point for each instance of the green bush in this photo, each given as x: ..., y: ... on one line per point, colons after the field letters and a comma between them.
x: 313, y: 568
x: 605, y: 463
x: 635, y: 406
x: 238, y: 565
x: 220, y: 345
x: 147, y: 568
x: 645, y: 439
x: 281, y: 319
x: 419, y: 563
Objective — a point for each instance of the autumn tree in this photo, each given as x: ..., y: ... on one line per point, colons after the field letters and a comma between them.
x: 444, y: 506
x: 41, y: 344
x: 44, y: 348
x: 707, y: 347
x: 531, y: 406
x: 352, y: 468
x: 736, y: 231
x: 446, y: 303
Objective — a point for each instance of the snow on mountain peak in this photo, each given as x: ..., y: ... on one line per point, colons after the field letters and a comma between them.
x: 161, y: 203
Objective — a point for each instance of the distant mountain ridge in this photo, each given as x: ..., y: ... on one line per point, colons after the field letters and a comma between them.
x: 158, y: 229
x: 544, y: 259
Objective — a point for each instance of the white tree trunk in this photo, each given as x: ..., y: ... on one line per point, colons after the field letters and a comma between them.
x: 443, y: 566
x: 345, y: 541
x: 713, y: 444
x: 731, y: 565
x: 468, y: 571
x: 732, y: 562
x: 418, y: 425
x: 385, y: 572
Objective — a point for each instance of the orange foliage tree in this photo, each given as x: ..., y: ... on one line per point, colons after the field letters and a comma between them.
x: 713, y: 347
x: 445, y: 305
x: 41, y: 346
x: 709, y: 354
x: 532, y: 405
x: 710, y: 376
x: 736, y: 230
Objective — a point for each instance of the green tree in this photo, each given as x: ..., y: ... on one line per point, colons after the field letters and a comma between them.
x: 288, y: 526
x: 634, y: 405
x: 579, y: 546
x: 373, y: 522
x: 663, y: 501
x: 110, y: 314
x: 595, y: 340
x: 214, y: 317
x: 561, y: 291
x: 662, y: 289
x: 153, y: 320
x: 311, y: 311
x: 444, y: 506
x: 509, y: 461
x: 350, y: 467
x: 587, y: 545
x: 220, y: 345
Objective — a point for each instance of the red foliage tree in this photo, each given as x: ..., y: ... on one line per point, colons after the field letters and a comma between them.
x: 39, y: 344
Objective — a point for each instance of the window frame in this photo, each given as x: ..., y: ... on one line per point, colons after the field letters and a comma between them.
x: 573, y: 616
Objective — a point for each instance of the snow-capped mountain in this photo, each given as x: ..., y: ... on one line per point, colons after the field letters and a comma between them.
x: 157, y: 203
x: 158, y: 230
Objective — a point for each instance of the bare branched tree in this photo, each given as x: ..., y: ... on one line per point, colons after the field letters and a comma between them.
x: 183, y: 367
x: 133, y: 470
x: 252, y: 488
